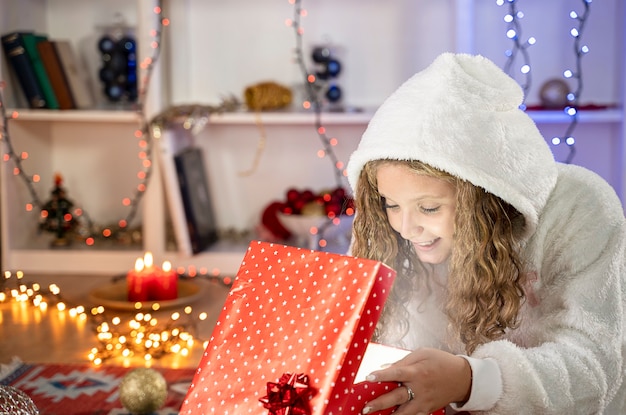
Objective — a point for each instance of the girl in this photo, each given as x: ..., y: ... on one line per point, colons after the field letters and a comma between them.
x: 510, y: 287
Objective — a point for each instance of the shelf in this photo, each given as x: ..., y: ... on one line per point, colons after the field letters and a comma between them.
x: 612, y: 115
x: 363, y: 117
x: 221, y: 260
x: 584, y: 116
x: 241, y: 118
x: 121, y: 116
x: 293, y: 117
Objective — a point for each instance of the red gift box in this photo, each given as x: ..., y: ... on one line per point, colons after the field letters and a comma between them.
x: 291, y: 335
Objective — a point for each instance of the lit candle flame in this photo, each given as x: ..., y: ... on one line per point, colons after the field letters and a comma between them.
x: 147, y: 259
x: 139, y: 264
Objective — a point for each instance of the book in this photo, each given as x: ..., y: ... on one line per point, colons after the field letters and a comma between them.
x: 54, y: 68
x: 23, y: 71
x: 196, y: 198
x: 30, y: 41
x: 75, y: 73
x: 169, y: 143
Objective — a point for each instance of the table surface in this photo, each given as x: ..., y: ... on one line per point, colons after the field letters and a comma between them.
x: 50, y: 336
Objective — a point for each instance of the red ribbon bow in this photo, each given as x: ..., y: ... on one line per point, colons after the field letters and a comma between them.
x: 290, y: 396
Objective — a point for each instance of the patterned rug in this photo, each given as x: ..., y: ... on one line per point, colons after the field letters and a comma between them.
x: 74, y: 389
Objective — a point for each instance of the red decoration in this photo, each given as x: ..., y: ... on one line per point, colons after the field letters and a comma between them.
x: 290, y: 396
x: 270, y: 220
x: 330, y: 203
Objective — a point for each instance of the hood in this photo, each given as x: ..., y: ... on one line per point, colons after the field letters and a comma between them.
x: 461, y: 115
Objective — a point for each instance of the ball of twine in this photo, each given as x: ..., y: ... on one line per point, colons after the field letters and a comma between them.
x: 267, y: 96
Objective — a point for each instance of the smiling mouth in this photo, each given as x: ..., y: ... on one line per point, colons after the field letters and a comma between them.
x: 427, y: 243
x: 426, y: 246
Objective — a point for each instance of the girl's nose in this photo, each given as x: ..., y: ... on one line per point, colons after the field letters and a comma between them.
x: 410, y: 227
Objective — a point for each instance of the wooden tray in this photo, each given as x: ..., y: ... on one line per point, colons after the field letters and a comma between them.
x: 114, y: 296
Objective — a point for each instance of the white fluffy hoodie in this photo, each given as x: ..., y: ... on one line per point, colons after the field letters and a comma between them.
x: 461, y: 115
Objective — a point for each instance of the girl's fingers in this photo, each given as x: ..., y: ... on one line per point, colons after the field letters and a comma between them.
x: 396, y: 397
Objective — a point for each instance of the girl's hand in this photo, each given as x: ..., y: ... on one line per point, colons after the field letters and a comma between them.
x: 436, y: 378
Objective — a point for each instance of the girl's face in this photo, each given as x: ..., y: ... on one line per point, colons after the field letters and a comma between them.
x: 420, y: 208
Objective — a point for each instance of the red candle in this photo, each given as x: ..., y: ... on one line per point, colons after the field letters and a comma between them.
x: 138, y: 283
x: 165, y: 283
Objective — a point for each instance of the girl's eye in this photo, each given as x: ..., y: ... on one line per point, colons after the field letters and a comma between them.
x: 386, y: 205
x: 429, y: 210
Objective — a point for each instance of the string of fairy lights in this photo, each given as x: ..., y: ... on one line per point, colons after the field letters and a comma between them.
x: 514, y: 30
x: 144, y: 336
x: 314, y: 101
x: 576, y: 75
x: 142, y: 134
x: 313, y: 97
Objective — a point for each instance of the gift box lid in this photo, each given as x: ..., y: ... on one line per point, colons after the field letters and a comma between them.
x: 290, y: 312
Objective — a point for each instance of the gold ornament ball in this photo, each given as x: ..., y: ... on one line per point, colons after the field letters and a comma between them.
x: 143, y: 391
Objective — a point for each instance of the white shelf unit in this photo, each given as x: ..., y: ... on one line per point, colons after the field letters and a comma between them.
x: 231, y: 45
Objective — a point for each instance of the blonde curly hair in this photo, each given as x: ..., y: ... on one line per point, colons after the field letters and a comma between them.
x: 486, y: 273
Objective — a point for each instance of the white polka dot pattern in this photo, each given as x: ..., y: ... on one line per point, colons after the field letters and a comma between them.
x: 290, y: 310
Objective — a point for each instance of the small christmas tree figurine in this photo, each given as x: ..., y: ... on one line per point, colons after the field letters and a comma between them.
x: 56, y: 214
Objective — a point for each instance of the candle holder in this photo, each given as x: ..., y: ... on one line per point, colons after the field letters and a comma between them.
x: 114, y: 296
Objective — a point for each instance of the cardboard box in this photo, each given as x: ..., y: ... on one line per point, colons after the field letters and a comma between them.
x: 295, y: 326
